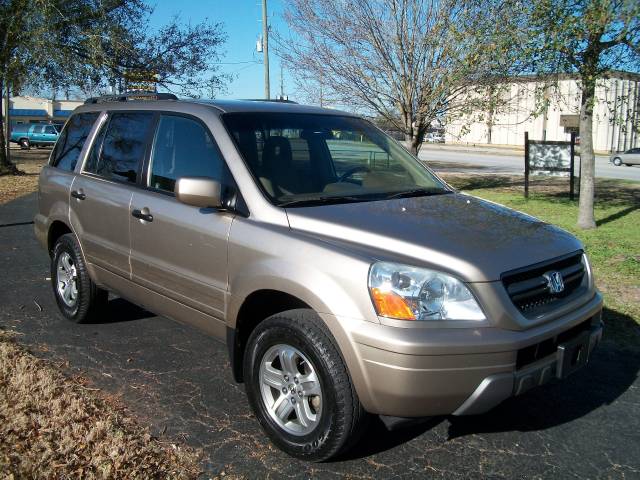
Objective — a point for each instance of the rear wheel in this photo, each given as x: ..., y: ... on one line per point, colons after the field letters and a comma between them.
x: 24, y: 143
x: 299, y: 387
x: 617, y: 161
x: 78, y: 298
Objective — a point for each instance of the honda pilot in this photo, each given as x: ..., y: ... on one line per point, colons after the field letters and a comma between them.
x: 344, y: 276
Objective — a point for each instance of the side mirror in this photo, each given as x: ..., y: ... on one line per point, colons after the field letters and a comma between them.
x: 199, y: 191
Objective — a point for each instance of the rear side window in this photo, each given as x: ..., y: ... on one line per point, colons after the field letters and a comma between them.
x: 123, y: 147
x: 183, y: 148
x: 67, y: 150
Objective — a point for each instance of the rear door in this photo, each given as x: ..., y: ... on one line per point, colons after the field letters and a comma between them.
x: 101, y: 195
x: 180, y: 251
x: 57, y: 177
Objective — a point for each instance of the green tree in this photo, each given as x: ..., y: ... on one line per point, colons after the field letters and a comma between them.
x: 61, y: 44
x: 587, y: 37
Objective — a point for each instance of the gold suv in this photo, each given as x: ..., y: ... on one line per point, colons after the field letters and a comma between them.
x: 344, y: 276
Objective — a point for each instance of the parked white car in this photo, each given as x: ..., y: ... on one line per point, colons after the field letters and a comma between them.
x: 433, y: 137
x: 628, y: 158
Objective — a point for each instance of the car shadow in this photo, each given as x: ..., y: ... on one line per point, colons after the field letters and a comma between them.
x: 119, y: 310
x: 377, y: 438
x: 612, y: 370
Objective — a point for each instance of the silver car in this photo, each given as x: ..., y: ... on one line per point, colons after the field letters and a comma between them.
x: 345, y: 278
x: 628, y: 158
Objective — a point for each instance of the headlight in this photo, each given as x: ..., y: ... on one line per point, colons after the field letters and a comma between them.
x: 409, y: 293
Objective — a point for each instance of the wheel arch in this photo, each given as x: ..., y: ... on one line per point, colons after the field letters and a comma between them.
x: 256, y: 307
x: 56, y: 230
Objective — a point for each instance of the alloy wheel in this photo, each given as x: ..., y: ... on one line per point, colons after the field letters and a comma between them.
x: 290, y: 389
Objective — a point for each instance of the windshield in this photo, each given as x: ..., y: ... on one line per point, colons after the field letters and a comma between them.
x: 306, y: 159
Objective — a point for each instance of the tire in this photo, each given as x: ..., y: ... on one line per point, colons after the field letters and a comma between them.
x: 339, y: 416
x: 85, y: 302
x: 617, y: 161
x: 24, y: 143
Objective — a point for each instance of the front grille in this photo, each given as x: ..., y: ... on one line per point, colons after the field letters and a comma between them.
x: 529, y: 289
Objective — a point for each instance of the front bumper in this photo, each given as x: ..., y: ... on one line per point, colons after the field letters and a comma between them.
x: 496, y: 388
x: 462, y: 371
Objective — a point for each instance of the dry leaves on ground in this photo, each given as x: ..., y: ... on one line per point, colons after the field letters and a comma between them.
x: 54, y: 427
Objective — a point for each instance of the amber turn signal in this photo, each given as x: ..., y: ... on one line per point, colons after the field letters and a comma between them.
x: 392, y: 305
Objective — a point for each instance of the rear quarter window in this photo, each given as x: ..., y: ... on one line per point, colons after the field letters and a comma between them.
x: 120, y: 148
x: 69, y: 145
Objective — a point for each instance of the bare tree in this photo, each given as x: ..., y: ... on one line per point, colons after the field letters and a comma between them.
x: 409, y: 61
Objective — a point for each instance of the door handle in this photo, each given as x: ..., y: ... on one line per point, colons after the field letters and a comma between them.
x: 79, y: 194
x: 146, y: 216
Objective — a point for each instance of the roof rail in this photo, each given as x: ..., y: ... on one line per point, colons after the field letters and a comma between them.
x: 132, y: 96
x: 276, y: 100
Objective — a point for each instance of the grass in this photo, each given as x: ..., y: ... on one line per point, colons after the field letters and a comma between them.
x: 613, y: 247
x: 52, y: 426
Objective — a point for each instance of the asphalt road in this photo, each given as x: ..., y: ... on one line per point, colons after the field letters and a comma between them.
x: 449, y: 159
x: 177, y: 380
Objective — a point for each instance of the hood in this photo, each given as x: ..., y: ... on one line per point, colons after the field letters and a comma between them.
x: 472, y: 238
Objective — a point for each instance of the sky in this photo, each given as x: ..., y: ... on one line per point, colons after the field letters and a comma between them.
x: 242, y: 21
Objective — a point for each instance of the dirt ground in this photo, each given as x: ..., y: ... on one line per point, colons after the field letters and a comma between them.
x: 30, y: 162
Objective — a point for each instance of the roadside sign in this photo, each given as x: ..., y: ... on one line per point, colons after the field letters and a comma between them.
x: 550, y: 157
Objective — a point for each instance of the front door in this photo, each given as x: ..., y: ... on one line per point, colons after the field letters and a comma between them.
x: 101, y: 195
x: 178, y: 250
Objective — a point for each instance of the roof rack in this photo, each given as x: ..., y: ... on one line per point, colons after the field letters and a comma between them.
x: 276, y: 100
x: 132, y: 96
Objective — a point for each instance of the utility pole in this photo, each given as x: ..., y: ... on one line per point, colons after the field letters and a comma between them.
x: 281, y: 81
x: 265, y: 47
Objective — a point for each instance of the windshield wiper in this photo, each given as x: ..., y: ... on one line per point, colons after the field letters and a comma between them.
x: 322, y: 201
x: 418, y: 192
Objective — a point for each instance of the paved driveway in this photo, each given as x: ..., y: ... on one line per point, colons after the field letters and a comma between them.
x: 178, y: 381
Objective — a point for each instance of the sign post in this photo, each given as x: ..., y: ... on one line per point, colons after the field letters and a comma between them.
x: 526, y: 164
x: 551, y: 157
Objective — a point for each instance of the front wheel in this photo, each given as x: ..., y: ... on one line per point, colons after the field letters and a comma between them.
x: 617, y: 161
x: 299, y: 387
x: 78, y: 298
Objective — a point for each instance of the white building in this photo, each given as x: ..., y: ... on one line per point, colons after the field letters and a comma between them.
x: 39, y: 110
x: 618, y: 98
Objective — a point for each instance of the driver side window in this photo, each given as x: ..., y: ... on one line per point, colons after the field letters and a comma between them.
x: 183, y: 148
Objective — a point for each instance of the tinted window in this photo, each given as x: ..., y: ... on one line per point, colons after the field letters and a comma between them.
x: 183, y: 148
x: 306, y: 158
x: 49, y: 129
x: 123, y: 147
x: 69, y: 145
x: 91, y: 163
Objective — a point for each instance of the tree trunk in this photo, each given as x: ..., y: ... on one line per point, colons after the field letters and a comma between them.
x: 414, y: 145
x: 6, y: 167
x: 586, y: 218
x: 4, y: 164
